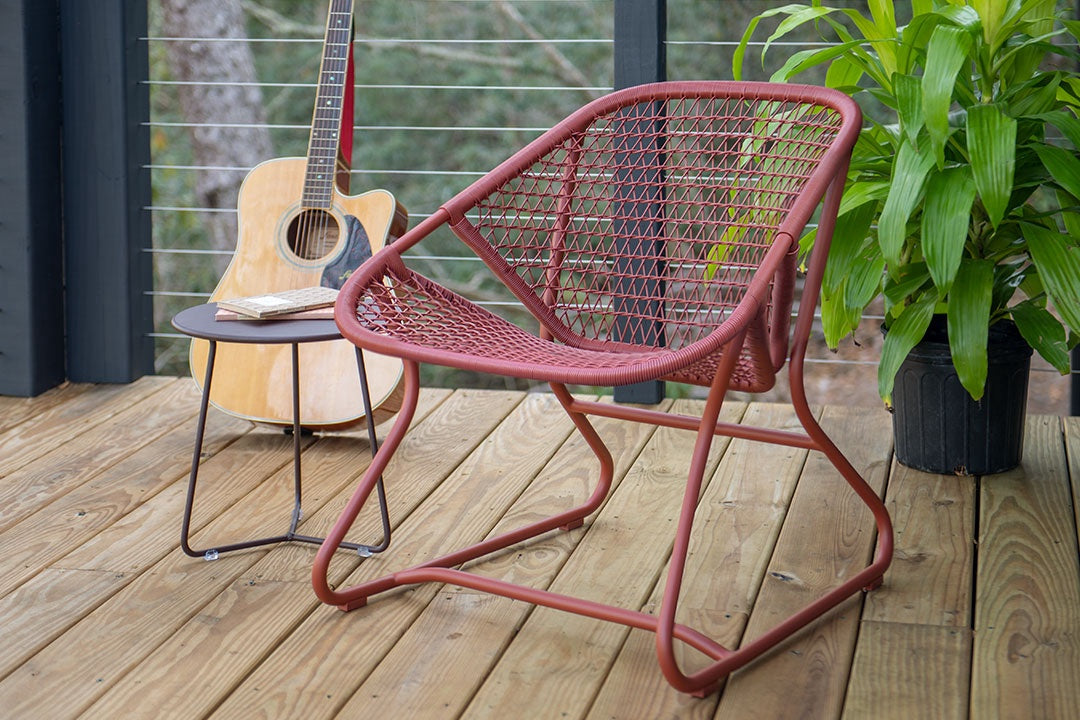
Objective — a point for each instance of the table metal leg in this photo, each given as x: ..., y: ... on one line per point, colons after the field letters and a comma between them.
x: 214, y: 552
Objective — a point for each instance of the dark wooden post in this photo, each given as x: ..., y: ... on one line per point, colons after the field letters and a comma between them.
x: 31, y: 251
x: 106, y: 187
x: 640, y: 57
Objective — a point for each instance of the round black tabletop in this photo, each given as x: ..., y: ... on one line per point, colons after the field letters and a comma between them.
x: 199, y: 322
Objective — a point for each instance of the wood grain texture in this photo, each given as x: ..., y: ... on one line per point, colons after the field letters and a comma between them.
x: 96, y: 447
x: 1072, y: 448
x: 70, y: 673
x: 416, y: 677
x: 16, y: 410
x: 56, y: 424
x: 827, y: 536
x: 910, y: 672
x: 92, y: 507
x: 254, y: 381
x: 48, y: 604
x: 116, y: 618
x: 1027, y: 595
x: 929, y: 581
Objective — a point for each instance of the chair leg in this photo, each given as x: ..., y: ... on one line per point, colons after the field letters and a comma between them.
x: 439, y: 569
x: 707, y: 680
x: 663, y: 625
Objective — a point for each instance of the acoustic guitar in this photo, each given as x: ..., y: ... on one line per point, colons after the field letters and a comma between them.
x: 298, y: 229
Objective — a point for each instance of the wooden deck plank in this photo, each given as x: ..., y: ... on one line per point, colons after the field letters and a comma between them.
x: 315, y: 671
x: 929, y: 581
x: 570, y: 653
x: 827, y: 536
x: 101, y: 615
x: 910, y: 672
x: 919, y: 621
x: 48, y: 605
x: 48, y: 534
x: 17, y: 410
x: 65, y: 677
x: 1027, y: 595
x: 415, y: 675
x: 57, y: 425
x: 1071, y: 426
x: 736, y: 527
x: 100, y: 445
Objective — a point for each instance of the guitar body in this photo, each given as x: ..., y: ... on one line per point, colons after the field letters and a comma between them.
x: 282, y: 246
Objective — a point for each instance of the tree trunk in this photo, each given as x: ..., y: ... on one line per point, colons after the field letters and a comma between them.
x: 212, y: 107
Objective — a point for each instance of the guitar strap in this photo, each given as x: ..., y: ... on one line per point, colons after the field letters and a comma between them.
x: 345, y: 145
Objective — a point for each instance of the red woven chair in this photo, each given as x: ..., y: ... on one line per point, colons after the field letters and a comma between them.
x: 653, y: 235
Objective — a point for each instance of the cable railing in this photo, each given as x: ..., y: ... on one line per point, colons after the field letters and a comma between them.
x: 476, y: 139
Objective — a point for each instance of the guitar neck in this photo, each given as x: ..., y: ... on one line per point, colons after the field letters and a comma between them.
x: 329, y: 99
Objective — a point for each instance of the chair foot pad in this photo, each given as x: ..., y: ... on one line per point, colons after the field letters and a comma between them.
x: 353, y: 604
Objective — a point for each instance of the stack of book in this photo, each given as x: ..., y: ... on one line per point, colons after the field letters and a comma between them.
x: 310, y: 303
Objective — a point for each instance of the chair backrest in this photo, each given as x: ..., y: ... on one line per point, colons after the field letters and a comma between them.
x: 643, y: 218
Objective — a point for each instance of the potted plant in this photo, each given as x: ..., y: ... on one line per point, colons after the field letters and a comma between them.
x: 962, y: 206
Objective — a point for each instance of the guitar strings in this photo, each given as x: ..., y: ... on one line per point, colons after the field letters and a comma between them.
x: 313, y: 230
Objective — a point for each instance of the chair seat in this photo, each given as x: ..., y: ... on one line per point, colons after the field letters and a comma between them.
x: 410, y: 316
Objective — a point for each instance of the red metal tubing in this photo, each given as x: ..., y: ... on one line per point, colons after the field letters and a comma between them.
x: 371, y: 477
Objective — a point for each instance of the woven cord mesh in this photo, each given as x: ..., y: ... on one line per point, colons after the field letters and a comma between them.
x: 634, y: 237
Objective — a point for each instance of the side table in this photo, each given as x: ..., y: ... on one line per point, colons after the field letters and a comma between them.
x: 200, y: 322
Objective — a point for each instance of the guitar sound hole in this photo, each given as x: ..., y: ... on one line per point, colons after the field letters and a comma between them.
x: 313, y: 234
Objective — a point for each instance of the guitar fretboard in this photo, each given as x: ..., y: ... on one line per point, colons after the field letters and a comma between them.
x: 329, y: 98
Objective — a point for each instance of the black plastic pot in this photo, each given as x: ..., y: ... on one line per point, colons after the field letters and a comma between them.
x: 938, y: 428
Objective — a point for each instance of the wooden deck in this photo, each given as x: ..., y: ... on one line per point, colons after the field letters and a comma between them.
x: 102, y: 616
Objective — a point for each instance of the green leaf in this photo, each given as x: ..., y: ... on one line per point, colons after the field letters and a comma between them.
x: 806, y: 59
x: 836, y: 320
x: 864, y: 283
x: 861, y: 193
x: 1063, y: 166
x: 910, y: 282
x: 903, y: 334
x: 843, y: 73
x: 992, y: 14
x: 1058, y: 260
x: 945, y: 55
x: 1043, y: 332
x: 991, y: 141
x: 740, y: 51
x: 799, y: 17
x: 1066, y: 123
x: 945, y: 222
x: 969, y: 323
x: 909, y: 105
x: 884, y: 14
x: 909, y: 174
x: 1071, y: 219
x: 848, y: 238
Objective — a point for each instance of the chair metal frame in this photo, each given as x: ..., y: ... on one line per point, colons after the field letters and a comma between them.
x: 741, y: 351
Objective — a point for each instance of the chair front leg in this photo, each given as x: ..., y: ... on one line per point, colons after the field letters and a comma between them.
x: 666, y: 627
x: 353, y: 597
